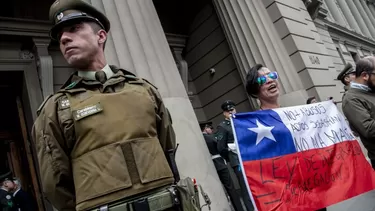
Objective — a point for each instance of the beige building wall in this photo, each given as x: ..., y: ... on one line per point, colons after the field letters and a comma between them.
x: 305, y: 47
x: 343, y: 44
x: 213, y: 75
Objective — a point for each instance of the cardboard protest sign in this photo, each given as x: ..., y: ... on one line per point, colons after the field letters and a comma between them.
x: 300, y: 158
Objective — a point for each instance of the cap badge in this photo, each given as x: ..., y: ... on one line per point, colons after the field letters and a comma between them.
x: 59, y: 16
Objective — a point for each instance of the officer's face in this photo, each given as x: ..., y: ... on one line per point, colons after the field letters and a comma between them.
x: 229, y: 113
x: 270, y: 88
x: 208, y: 130
x: 9, y: 185
x: 349, y: 78
x: 80, y: 45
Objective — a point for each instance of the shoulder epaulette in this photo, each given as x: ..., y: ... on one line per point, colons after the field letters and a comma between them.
x: 43, y: 104
x: 148, y: 82
x: 130, y: 76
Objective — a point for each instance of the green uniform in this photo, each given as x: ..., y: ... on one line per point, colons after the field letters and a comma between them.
x: 99, y: 143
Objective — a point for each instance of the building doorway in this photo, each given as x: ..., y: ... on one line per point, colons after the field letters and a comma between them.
x: 16, y: 150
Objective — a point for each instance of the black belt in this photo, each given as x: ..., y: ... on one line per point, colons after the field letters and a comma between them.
x: 158, y: 201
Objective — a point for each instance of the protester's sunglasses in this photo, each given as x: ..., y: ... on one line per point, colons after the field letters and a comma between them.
x: 263, y: 79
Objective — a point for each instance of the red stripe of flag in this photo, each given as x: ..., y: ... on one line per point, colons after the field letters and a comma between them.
x: 310, y: 180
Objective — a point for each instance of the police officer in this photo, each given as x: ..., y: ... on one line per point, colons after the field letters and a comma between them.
x: 347, y: 75
x: 103, y: 141
x: 6, y: 199
x: 227, y: 149
x: 220, y: 165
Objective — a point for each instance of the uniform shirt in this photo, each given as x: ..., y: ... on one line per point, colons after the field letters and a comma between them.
x: 90, y: 75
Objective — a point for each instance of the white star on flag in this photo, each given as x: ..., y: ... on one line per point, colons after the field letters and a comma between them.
x: 262, y: 132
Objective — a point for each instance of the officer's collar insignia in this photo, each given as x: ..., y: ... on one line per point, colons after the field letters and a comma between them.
x: 71, y: 85
x: 64, y: 103
x: 219, y: 137
x: 60, y: 16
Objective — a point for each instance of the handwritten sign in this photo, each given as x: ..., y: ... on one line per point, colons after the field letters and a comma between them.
x: 300, y: 158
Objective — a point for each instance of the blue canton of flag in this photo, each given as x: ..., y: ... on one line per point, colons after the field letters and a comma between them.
x: 262, y: 134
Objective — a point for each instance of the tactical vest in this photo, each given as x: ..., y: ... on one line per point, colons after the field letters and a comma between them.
x: 117, y: 153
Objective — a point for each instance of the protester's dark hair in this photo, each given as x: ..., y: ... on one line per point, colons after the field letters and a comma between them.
x: 364, y: 65
x: 310, y: 99
x: 252, y: 86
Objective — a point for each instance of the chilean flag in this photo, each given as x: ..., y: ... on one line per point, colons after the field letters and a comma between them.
x: 300, y: 158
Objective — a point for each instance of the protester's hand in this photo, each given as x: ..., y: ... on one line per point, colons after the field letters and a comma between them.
x: 331, y: 98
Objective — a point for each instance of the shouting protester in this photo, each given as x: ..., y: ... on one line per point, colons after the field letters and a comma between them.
x: 261, y: 83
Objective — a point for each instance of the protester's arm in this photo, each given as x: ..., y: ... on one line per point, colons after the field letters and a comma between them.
x: 359, y: 117
x: 53, y: 159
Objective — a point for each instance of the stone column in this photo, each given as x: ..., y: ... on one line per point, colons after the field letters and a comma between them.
x: 177, y: 45
x: 137, y: 43
x: 336, y: 14
x: 366, y: 18
x: 253, y: 39
x: 45, y: 65
x: 371, y: 7
x: 357, y: 16
x: 349, y: 16
x: 368, y: 12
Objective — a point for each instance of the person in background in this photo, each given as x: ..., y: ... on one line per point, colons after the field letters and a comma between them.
x: 346, y: 76
x: 220, y: 165
x: 22, y: 199
x: 359, y: 104
x: 261, y: 83
x: 6, y: 199
x: 311, y: 100
x: 227, y: 149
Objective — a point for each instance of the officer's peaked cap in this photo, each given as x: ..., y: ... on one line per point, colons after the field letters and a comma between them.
x: 205, y: 124
x: 347, y: 70
x: 228, y: 105
x: 65, y: 12
x: 5, y: 175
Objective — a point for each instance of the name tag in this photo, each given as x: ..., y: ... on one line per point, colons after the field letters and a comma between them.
x: 87, y: 111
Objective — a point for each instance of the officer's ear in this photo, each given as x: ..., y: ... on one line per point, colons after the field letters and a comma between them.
x: 102, y: 37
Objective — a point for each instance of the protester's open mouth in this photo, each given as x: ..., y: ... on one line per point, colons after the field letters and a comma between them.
x: 272, y: 88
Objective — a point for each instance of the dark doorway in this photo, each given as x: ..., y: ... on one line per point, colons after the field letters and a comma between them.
x: 15, y: 149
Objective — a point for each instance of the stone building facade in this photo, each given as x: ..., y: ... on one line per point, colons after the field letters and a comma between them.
x: 197, y: 52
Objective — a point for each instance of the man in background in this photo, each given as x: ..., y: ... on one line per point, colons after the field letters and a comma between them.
x: 21, y: 198
x: 6, y: 199
x: 359, y: 104
x: 220, y: 165
x: 227, y: 149
x: 346, y: 76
